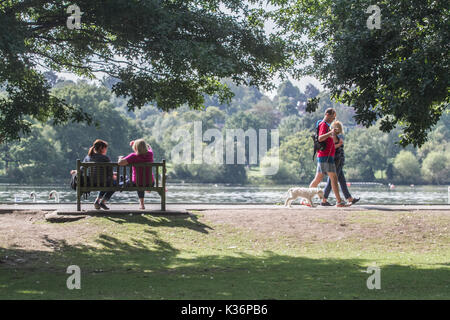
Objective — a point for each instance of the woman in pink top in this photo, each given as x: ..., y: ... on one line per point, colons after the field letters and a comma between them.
x: 142, y: 153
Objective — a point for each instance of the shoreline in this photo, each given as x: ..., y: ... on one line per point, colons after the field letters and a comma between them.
x: 155, y: 207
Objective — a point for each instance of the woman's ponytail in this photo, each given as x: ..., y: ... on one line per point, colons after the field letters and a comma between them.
x: 91, y: 151
x: 96, y: 146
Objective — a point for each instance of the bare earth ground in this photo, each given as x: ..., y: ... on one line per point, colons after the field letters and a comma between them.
x: 425, y: 229
x: 28, y: 230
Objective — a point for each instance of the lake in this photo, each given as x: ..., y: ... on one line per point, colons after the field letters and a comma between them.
x: 227, y: 193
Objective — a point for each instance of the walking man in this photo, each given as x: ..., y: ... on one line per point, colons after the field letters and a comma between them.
x: 325, y: 158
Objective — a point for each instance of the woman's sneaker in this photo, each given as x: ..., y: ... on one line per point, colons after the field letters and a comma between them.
x: 326, y: 204
x: 97, y: 205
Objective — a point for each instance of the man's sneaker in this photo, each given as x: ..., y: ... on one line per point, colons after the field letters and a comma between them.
x: 97, y: 205
x: 343, y: 204
x: 355, y: 200
x: 103, y: 206
x: 326, y: 204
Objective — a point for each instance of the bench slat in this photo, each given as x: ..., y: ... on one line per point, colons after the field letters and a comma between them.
x: 131, y: 174
x: 105, y: 175
x: 97, y: 171
x: 85, y: 175
x: 124, y: 171
x: 138, y: 176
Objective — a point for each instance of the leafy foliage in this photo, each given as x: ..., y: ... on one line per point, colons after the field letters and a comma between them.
x: 296, y: 160
x: 163, y: 51
x: 436, y: 167
x: 407, y: 167
x: 364, y: 152
x: 399, y: 73
x: 49, y: 152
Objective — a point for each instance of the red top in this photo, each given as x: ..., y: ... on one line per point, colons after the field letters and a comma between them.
x: 134, y: 158
x: 329, y: 150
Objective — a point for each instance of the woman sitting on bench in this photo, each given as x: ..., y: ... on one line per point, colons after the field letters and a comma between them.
x: 142, y: 153
x: 97, y: 153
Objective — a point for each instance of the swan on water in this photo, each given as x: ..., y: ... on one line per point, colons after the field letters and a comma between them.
x: 33, y: 196
x: 55, y: 194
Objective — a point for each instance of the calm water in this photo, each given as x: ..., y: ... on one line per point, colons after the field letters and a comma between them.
x: 221, y: 193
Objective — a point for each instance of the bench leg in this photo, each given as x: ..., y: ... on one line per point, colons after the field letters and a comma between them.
x: 163, y: 201
x: 78, y: 202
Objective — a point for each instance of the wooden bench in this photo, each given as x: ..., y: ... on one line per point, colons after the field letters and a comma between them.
x: 86, y: 182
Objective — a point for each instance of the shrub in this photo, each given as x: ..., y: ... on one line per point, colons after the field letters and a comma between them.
x: 436, y: 167
x: 406, y: 168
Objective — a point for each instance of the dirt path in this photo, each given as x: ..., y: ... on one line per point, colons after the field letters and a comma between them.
x: 29, y: 231
x: 424, y: 228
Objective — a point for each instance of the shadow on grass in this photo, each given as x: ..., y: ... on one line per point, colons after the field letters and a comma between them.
x: 145, y: 266
x: 188, y: 221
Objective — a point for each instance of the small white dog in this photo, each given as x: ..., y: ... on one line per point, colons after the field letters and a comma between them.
x: 305, y: 193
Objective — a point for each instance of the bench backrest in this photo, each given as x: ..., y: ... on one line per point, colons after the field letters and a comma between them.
x: 92, y: 174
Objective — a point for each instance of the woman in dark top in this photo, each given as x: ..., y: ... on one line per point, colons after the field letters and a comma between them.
x: 339, y: 159
x: 97, y: 153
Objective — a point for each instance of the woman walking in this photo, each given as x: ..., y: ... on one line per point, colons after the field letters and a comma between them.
x: 339, y: 159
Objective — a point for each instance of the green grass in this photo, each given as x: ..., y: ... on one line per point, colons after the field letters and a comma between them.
x: 147, y: 257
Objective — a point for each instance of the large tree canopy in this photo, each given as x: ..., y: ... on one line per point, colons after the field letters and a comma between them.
x: 399, y: 72
x: 170, y: 52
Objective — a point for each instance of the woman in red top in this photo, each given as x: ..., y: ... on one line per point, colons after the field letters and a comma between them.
x: 142, y: 153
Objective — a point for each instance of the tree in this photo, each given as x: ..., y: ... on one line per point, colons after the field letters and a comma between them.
x: 158, y: 152
x: 268, y: 116
x: 439, y: 138
x: 311, y: 91
x: 406, y: 167
x: 436, y: 167
x: 364, y: 153
x: 210, y: 173
x: 287, y: 171
x: 244, y: 120
x: 399, y: 73
x: 296, y: 159
x: 287, y: 106
x: 169, y: 52
x: 287, y: 89
x: 75, y: 139
x: 289, y: 125
x: 31, y: 158
x: 243, y: 98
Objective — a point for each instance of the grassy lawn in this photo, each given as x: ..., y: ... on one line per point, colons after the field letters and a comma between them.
x: 181, y: 257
